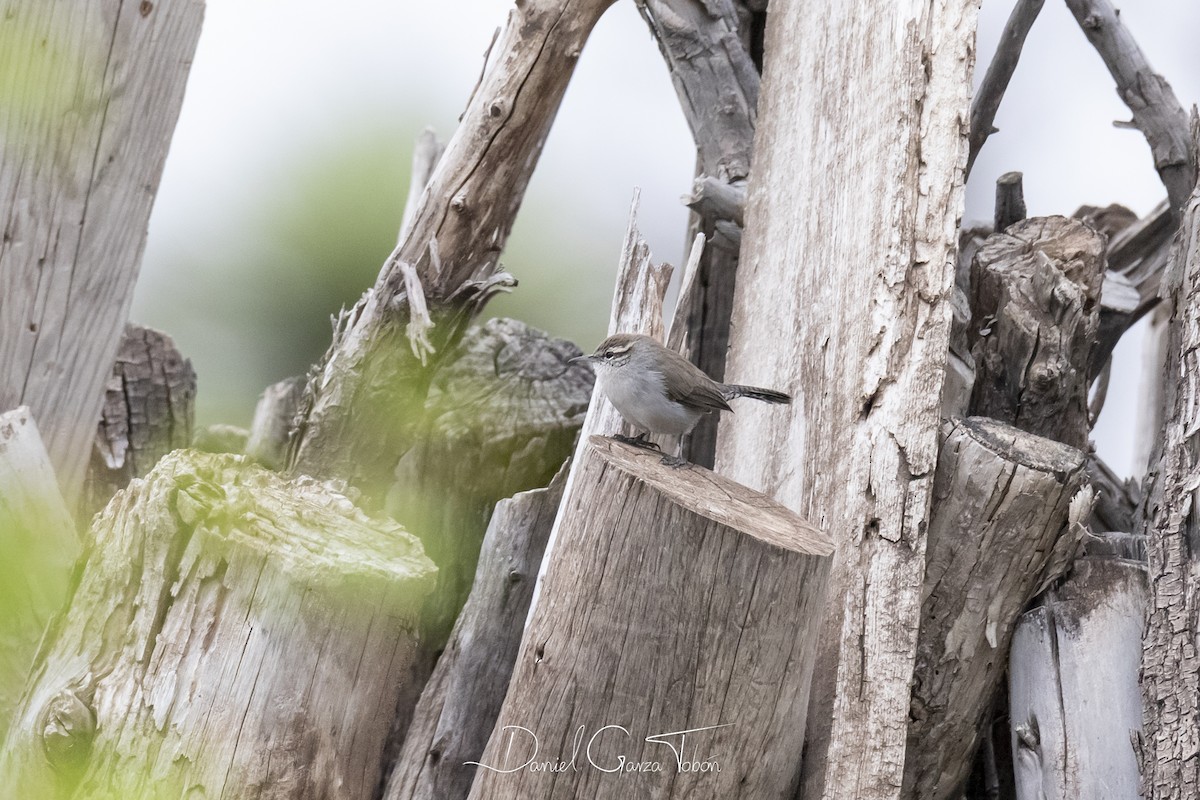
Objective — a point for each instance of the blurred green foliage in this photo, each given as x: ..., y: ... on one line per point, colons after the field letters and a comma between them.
x: 254, y: 306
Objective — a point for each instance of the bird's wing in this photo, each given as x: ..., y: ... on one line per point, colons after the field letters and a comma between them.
x: 700, y: 393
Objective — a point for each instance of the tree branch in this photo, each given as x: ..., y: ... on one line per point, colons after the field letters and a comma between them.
x: 999, y: 73
x: 1156, y: 111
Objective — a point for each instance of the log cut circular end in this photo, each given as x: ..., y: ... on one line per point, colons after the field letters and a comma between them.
x: 696, y: 489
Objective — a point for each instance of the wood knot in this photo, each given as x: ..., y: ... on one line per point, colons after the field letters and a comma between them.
x: 145, y: 8
x: 459, y: 203
x: 68, y: 726
x: 497, y: 108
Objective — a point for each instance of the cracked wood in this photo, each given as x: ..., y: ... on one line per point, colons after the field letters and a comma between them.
x: 849, y: 310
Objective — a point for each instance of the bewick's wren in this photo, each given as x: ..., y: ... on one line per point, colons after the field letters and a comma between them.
x: 659, y: 391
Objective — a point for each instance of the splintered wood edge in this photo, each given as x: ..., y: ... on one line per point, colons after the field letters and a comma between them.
x: 717, y: 498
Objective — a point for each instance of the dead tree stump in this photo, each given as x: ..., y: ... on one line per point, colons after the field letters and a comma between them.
x: 148, y: 412
x: 1034, y: 315
x: 232, y: 635
x: 674, y: 603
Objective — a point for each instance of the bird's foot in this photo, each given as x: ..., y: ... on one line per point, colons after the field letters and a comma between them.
x: 675, y: 462
x: 638, y: 441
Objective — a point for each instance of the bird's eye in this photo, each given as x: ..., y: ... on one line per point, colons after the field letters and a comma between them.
x: 608, y: 354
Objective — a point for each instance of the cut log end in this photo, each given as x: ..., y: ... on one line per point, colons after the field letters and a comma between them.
x: 693, y: 488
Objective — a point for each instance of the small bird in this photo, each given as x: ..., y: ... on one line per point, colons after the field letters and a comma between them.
x: 657, y: 390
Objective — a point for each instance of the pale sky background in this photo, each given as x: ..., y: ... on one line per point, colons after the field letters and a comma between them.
x: 279, y: 85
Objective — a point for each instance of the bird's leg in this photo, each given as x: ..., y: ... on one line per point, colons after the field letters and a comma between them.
x: 676, y: 460
x: 638, y: 441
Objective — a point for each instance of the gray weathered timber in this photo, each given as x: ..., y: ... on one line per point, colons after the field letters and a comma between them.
x: 354, y: 420
x: 1034, y: 315
x: 274, y: 418
x: 231, y: 635
x: 690, y: 604
x: 92, y: 93
x: 1010, y: 201
x: 1073, y: 685
x: 999, y: 73
x: 1170, y: 662
x: 997, y: 534
x: 39, y: 546
x: 717, y: 83
x: 1156, y: 111
x: 1137, y: 257
x: 149, y: 410
x: 426, y: 153
x: 462, y: 699
x: 500, y: 417
x: 856, y: 450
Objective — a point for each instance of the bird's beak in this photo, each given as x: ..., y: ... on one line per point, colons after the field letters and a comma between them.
x: 579, y: 359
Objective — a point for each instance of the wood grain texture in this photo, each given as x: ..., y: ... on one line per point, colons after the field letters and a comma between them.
x: 1073, y: 685
x: 462, y: 699
x: 693, y: 602
x: 372, y: 380
x: 849, y: 310
x: 1170, y: 662
x: 231, y: 635
x: 40, y: 545
x: 717, y: 84
x: 997, y: 535
x: 149, y: 410
x: 91, y: 92
x: 1035, y: 310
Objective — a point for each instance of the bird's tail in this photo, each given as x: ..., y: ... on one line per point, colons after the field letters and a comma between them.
x: 733, y: 390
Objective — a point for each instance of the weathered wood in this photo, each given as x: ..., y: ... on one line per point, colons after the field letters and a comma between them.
x: 856, y: 449
x: 687, y: 614
x: 425, y: 157
x: 462, y: 699
x: 1138, y: 257
x: 1171, y: 662
x: 274, y: 418
x: 92, y: 91
x: 1010, y: 200
x: 717, y: 83
x: 231, y: 635
x: 1073, y: 685
x: 149, y: 410
x: 1156, y: 111
x: 999, y: 73
x: 501, y: 416
x: 355, y: 421
x: 39, y: 546
x: 1034, y: 316
x: 997, y: 534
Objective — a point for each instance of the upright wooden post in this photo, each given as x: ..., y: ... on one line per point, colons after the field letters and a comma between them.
x: 843, y: 296
x: 671, y: 648
x: 91, y: 91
